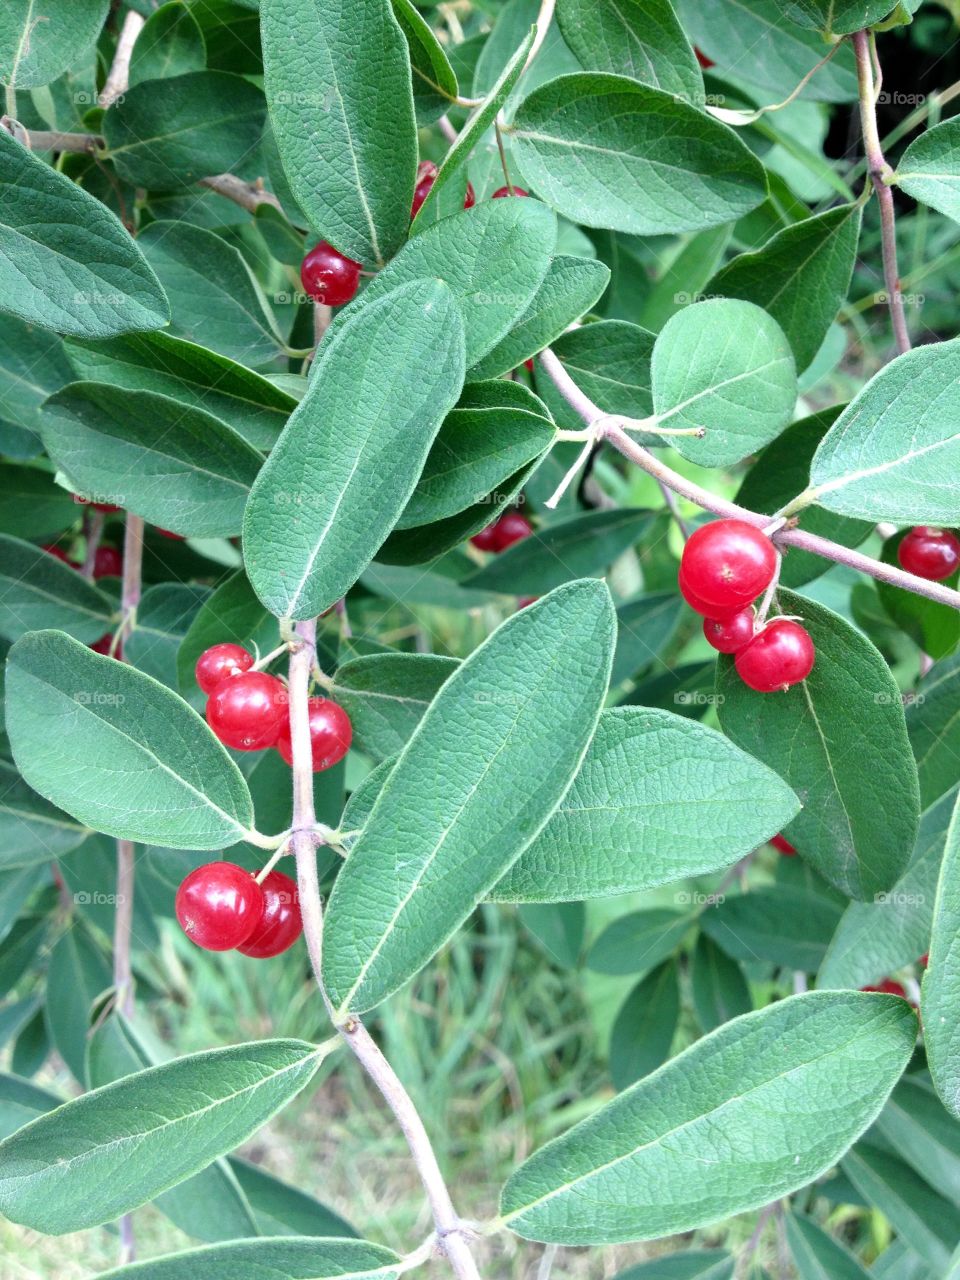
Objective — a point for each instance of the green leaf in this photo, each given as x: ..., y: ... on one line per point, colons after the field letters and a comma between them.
x: 684, y: 276
x: 747, y: 1114
x: 494, y: 257
x: 569, y: 289
x: 917, y: 1127
x: 446, y: 195
x: 836, y: 17
x: 800, y: 277
x: 31, y: 830
x: 941, y: 981
x: 638, y: 941
x: 929, y: 169
x: 606, y: 151
x: 495, y: 429
x: 788, y: 926
x: 877, y: 938
x: 637, y: 38
x: 36, y: 48
x: 435, y: 87
x: 724, y: 366
x: 113, y: 1149
x: 750, y: 39
x: 658, y: 798
x: 20, y: 1101
x: 935, y: 627
x: 840, y: 740
x: 719, y: 989
x: 38, y: 590
x: 645, y: 1026
x: 31, y: 505
x: 386, y: 695
x: 645, y: 628
x: 817, y: 1255
x: 555, y: 554
x: 344, y: 124
x: 170, y: 44
x: 378, y: 395
x: 196, y: 376
x: 933, y: 723
x: 558, y: 927
x: 283, y: 1210
x: 77, y: 976
x: 929, y: 1222
x: 610, y: 362
x: 779, y: 474
x: 450, y: 819
x: 159, y: 776
x: 32, y: 366
x: 894, y: 452
x: 411, y: 587
x: 704, y: 1264
x: 169, y: 133
x: 178, y: 467
x: 280, y: 1259
x: 217, y: 301
x: 233, y: 614
x: 164, y: 616
x: 66, y: 262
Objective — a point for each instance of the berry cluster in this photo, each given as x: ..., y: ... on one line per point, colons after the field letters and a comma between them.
x: 725, y: 566
x: 511, y: 527
x: 331, y: 277
x: 247, y: 709
x: 930, y: 553
x: 221, y: 907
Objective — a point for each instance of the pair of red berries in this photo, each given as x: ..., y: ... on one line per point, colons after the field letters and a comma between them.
x: 331, y: 277
x: 930, y: 553
x: 221, y: 907
x: 725, y: 566
x: 510, y: 528
x: 248, y: 710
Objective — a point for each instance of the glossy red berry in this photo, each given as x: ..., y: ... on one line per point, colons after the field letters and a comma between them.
x: 779, y: 656
x: 730, y: 635
x: 486, y: 539
x: 704, y: 61
x: 280, y: 924
x: 329, y: 276
x: 219, y: 905
x: 107, y: 563
x: 510, y: 528
x: 247, y: 711
x: 701, y: 606
x: 104, y: 646
x: 426, y: 176
x: 784, y: 846
x: 330, y: 734
x: 930, y: 553
x: 505, y: 191
x: 888, y: 987
x: 726, y: 564
x: 219, y: 663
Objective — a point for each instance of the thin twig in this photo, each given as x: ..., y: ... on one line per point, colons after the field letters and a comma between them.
x: 881, y: 175
x: 94, y: 521
x: 249, y: 195
x: 118, y: 78
x: 607, y: 428
x: 50, y: 139
x: 452, y: 1235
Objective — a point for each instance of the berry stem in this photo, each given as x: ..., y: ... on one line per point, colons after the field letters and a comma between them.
x: 880, y: 175
x: 768, y: 595
x: 607, y: 428
x: 451, y: 1233
x: 93, y: 522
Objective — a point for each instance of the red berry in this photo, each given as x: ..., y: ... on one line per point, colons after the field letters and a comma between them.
x: 704, y: 61
x: 330, y: 734
x: 426, y: 176
x: 58, y: 552
x: 329, y: 276
x: 176, y: 537
x: 219, y: 905
x: 280, y: 925
x: 510, y: 528
x: 730, y: 635
x: 930, y: 553
x: 701, y: 606
x: 104, y: 645
x: 784, y: 846
x: 781, y: 655
x: 924, y: 960
x: 470, y: 199
x: 524, y: 601
x: 247, y: 711
x: 486, y: 539
x: 528, y: 365
x: 219, y: 663
x: 727, y: 563
x: 505, y: 191
x: 107, y: 563
x: 888, y: 987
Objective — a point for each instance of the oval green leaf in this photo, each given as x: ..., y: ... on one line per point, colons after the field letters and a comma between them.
x: 941, y: 981
x: 286, y: 1258
x: 39, y: 590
